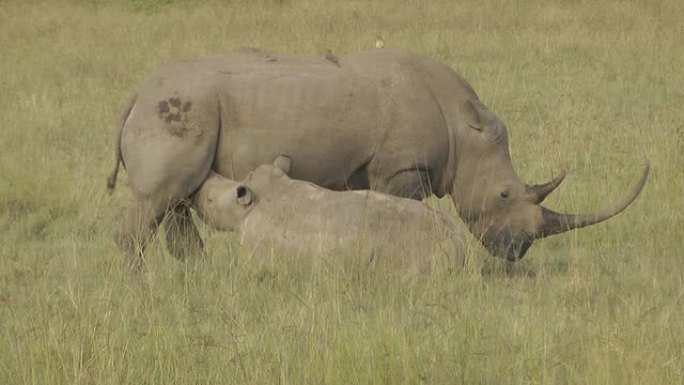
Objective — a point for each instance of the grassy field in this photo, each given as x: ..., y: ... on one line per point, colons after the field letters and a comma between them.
x: 596, y: 87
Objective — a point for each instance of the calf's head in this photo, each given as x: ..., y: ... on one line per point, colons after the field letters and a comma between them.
x: 223, y: 203
x: 498, y: 208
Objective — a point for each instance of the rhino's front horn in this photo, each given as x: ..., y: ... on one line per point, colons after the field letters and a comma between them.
x: 538, y: 192
x: 555, y: 223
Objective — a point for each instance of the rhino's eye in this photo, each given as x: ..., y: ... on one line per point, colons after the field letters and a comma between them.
x: 504, y: 194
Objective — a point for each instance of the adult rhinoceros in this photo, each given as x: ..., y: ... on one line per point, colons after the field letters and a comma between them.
x: 388, y: 120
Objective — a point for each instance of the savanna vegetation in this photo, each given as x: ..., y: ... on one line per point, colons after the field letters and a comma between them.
x: 595, y: 87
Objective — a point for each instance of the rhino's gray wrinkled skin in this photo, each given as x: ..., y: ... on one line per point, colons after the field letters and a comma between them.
x: 272, y: 212
x: 386, y: 119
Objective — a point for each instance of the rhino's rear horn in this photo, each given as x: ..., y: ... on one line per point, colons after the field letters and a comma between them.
x: 538, y: 192
x: 554, y: 223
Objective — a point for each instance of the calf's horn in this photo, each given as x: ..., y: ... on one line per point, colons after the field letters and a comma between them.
x: 554, y: 223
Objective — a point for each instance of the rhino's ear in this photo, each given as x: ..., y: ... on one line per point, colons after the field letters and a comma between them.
x: 283, y: 163
x: 473, y: 118
x: 480, y: 118
x: 243, y: 195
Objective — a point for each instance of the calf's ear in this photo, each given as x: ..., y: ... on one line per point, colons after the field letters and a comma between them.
x: 283, y: 163
x: 243, y: 195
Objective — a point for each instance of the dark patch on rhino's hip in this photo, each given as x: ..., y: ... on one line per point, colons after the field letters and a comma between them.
x: 174, y: 110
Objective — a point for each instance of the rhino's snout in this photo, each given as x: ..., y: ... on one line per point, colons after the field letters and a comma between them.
x: 506, y: 245
x: 517, y: 251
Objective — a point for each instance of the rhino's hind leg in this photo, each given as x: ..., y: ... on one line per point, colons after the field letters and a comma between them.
x: 182, y: 238
x: 141, y: 221
x: 168, y: 145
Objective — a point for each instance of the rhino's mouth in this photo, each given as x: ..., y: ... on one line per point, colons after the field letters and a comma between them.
x: 509, y: 247
x: 517, y: 251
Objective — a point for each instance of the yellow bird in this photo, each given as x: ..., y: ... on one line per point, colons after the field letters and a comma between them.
x: 379, y: 41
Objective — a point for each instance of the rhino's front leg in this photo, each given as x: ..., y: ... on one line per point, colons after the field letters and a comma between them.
x: 182, y: 238
x: 412, y: 183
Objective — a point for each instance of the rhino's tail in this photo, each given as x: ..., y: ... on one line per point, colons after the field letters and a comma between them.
x: 116, y: 142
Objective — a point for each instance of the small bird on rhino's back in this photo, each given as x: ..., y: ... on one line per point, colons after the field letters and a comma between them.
x: 331, y: 57
x: 379, y: 41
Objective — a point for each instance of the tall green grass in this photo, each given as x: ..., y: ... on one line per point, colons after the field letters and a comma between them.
x: 594, y: 87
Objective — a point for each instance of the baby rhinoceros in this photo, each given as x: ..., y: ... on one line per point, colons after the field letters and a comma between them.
x: 276, y: 215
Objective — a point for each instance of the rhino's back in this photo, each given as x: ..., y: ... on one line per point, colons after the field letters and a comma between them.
x: 325, y: 117
x: 333, y: 121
